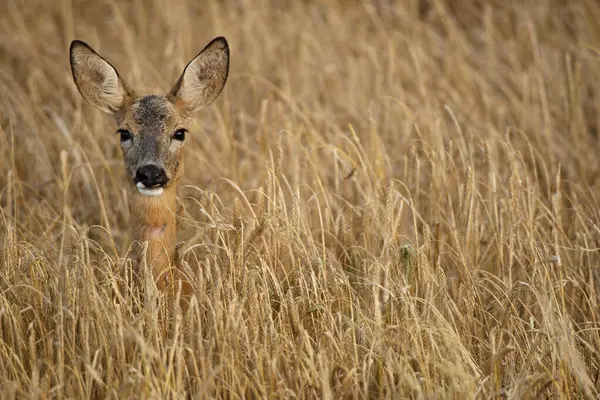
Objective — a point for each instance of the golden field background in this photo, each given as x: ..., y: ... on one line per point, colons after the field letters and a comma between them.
x: 388, y: 200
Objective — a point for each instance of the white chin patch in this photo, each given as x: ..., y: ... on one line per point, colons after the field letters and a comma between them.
x: 156, y: 191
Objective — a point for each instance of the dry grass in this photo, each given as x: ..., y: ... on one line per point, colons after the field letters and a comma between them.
x: 388, y: 200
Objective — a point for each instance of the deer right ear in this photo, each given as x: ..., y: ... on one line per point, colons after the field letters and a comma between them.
x: 203, y: 78
x: 97, y: 80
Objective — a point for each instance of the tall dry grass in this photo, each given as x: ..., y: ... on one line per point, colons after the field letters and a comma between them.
x: 390, y: 199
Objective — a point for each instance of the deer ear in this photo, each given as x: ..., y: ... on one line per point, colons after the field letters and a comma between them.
x: 203, y: 78
x: 97, y: 80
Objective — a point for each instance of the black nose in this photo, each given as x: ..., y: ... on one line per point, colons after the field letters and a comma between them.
x: 151, y: 175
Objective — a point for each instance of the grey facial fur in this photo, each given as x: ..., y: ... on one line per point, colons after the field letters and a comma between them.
x: 152, y: 120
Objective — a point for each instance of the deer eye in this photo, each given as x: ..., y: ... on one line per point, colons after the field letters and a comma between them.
x: 125, y: 135
x: 179, y: 135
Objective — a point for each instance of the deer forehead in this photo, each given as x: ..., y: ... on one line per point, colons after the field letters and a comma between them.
x: 152, y: 114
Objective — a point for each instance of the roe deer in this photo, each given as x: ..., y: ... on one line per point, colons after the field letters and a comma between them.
x: 152, y: 131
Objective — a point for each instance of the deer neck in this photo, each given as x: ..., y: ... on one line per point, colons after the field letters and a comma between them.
x: 154, y: 221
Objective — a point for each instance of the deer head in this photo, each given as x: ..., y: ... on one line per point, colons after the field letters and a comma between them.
x: 152, y: 128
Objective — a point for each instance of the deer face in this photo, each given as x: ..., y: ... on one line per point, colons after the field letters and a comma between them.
x: 152, y: 128
x: 152, y: 135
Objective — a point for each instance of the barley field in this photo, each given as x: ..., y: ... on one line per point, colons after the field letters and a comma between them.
x: 390, y: 199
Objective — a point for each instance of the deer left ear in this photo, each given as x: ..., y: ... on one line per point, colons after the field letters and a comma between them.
x: 97, y: 80
x: 203, y: 78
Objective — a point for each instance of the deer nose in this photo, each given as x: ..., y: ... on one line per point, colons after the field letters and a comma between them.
x: 151, y: 175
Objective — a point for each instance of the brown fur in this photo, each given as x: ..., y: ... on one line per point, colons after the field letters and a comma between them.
x: 152, y: 121
x: 148, y: 215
